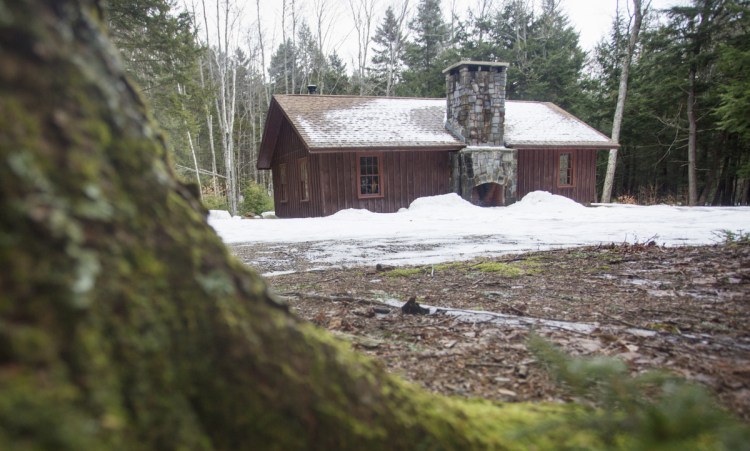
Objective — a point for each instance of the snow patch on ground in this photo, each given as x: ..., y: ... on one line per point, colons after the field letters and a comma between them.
x: 447, y: 228
x: 218, y: 215
x: 536, y: 200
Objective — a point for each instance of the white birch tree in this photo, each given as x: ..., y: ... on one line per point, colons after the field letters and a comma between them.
x: 636, y: 19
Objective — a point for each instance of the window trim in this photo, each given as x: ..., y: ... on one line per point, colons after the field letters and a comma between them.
x: 283, y: 184
x: 380, y: 175
x: 571, y: 170
x: 303, y: 165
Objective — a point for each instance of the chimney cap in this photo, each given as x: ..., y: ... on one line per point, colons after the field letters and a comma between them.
x: 477, y: 65
x: 312, y: 89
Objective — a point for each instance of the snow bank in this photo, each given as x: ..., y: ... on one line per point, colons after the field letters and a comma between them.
x: 351, y: 214
x: 544, y: 201
x: 442, y: 228
x: 218, y: 215
x: 452, y: 201
x: 444, y: 207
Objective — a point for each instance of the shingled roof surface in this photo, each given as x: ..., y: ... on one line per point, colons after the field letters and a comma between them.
x: 344, y: 121
x: 546, y: 124
x: 330, y: 122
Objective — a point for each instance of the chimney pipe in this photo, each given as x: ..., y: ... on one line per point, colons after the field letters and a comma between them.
x: 312, y: 89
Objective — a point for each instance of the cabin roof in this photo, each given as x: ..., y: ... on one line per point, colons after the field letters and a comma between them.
x: 349, y: 121
x: 337, y: 123
x: 544, y: 124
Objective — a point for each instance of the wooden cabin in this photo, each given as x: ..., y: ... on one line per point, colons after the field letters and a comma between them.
x: 329, y: 153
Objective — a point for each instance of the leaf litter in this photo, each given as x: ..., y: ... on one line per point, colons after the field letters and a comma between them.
x: 685, y: 310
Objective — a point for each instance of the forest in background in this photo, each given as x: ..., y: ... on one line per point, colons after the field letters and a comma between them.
x: 209, y: 77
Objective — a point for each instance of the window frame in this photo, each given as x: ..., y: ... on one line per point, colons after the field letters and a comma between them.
x: 283, y: 184
x: 570, y: 181
x: 303, y: 165
x: 380, y: 175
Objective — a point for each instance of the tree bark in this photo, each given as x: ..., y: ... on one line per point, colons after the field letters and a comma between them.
x: 125, y: 324
x: 622, y: 93
x: 692, y: 139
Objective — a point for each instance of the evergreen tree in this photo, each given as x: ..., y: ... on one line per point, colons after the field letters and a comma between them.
x: 553, y: 60
x: 656, y: 128
x: 159, y: 51
x: 335, y: 78
x: 424, y: 76
x: 283, y: 64
x: 546, y: 62
x: 733, y: 111
x: 311, y: 61
x: 388, y: 53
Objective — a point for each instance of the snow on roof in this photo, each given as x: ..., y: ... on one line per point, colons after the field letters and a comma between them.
x: 542, y: 123
x: 331, y: 122
x: 343, y: 121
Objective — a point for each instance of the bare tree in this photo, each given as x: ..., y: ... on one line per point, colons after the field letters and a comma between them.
x: 223, y: 72
x: 636, y: 19
x: 207, y: 108
x: 324, y: 17
x: 284, y: 46
x: 294, y: 45
x: 362, y: 15
x: 261, y: 48
x: 181, y: 92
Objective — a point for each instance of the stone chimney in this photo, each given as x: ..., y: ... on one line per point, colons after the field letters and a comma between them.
x: 476, y: 101
x: 485, y: 172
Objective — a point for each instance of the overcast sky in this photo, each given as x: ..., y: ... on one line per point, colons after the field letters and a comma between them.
x: 592, y: 18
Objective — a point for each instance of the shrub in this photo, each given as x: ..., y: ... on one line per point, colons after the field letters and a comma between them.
x: 256, y: 200
x: 215, y: 202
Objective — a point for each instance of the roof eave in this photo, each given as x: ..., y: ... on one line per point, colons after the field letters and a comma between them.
x: 548, y: 145
x: 394, y: 148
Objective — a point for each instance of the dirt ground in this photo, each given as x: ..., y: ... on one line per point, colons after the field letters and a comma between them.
x: 686, y: 310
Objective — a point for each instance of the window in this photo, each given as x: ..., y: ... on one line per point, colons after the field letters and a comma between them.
x: 282, y: 183
x: 565, y: 169
x: 370, y: 176
x: 304, y: 181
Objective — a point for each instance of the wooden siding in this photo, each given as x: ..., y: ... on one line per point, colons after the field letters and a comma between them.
x: 333, y: 184
x: 289, y: 150
x: 406, y: 176
x: 538, y: 170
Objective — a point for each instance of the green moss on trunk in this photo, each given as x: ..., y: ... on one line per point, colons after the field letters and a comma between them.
x: 125, y: 324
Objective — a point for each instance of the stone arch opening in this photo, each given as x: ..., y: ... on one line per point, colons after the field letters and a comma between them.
x: 488, y: 195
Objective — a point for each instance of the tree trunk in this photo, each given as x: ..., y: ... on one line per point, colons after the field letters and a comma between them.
x: 266, y: 87
x: 692, y: 139
x: 125, y: 324
x: 622, y: 93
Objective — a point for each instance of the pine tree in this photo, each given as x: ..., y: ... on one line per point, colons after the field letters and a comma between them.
x: 282, y: 65
x: 157, y: 45
x: 335, y: 78
x: 424, y: 76
x: 554, y: 60
x: 310, y: 59
x: 389, y: 53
